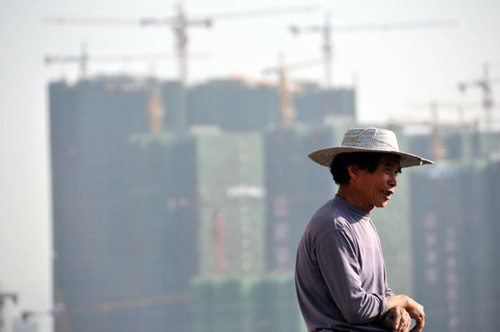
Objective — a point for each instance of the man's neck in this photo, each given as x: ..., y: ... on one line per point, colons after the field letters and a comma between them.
x: 351, y: 195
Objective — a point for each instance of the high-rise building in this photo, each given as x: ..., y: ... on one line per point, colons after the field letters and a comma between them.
x: 164, y: 201
x: 107, y: 265
x: 454, y: 143
x: 238, y: 105
x: 452, y: 244
x: 490, y: 304
x: 224, y: 172
x: 315, y: 105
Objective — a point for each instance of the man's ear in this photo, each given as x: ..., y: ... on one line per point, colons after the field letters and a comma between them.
x: 353, y: 170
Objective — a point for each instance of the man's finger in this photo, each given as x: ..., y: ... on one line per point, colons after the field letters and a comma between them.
x: 407, y: 321
x: 396, y: 319
x: 419, y: 327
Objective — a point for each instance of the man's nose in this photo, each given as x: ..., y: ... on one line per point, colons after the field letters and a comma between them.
x: 393, y: 181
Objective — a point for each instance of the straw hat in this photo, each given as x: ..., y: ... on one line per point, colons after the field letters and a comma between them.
x: 368, y: 140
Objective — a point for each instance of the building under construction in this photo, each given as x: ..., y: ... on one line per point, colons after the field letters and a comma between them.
x: 161, y: 225
x: 454, y: 228
x: 106, y: 267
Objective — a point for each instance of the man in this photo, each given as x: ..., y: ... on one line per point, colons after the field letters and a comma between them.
x: 340, y: 271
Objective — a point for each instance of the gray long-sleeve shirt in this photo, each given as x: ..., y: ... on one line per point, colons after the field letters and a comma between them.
x: 340, y: 272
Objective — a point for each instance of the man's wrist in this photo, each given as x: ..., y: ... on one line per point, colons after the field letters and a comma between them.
x: 384, y: 315
x: 398, y: 301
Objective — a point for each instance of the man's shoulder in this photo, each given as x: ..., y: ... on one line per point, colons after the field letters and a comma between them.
x: 329, y: 217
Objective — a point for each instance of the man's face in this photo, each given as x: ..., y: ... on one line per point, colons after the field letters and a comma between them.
x: 376, y: 189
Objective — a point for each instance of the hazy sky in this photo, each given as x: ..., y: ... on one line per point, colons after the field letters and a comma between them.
x: 397, y: 73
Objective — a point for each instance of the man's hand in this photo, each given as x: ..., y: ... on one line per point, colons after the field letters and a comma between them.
x: 414, y: 309
x: 398, y: 319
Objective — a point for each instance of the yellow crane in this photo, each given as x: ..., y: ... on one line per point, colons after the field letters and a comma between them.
x: 327, y: 30
x: 284, y: 87
x: 156, y: 107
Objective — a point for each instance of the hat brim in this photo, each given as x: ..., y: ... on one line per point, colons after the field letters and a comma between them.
x: 325, y: 157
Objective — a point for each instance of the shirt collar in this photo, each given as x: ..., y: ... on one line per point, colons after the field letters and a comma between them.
x: 355, y: 209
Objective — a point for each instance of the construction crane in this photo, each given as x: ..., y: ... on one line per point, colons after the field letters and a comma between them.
x: 287, y: 110
x: 62, y: 314
x: 166, y: 299
x: 484, y: 84
x: 286, y: 89
x: 84, y: 58
x: 3, y: 298
x: 327, y: 30
x: 284, y: 86
x: 28, y: 315
x: 286, y: 104
x: 438, y: 146
x: 179, y: 23
x: 219, y: 235
x: 436, y: 123
x: 156, y: 107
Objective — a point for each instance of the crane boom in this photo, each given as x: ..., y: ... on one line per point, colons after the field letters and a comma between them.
x: 396, y: 26
x: 167, y: 299
x: 327, y: 29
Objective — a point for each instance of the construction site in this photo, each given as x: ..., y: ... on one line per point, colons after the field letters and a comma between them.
x: 178, y: 207
x: 194, y: 227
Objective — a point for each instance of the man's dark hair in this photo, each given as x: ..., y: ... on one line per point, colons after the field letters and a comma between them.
x: 365, y: 160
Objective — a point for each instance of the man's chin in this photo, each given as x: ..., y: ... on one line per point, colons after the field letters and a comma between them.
x: 383, y: 204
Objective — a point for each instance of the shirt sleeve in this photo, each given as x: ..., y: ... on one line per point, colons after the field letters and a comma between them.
x: 388, y: 291
x: 337, y: 257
